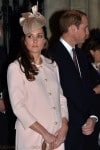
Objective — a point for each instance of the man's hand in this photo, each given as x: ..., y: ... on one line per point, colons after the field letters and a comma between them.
x: 88, y: 127
x: 97, y: 89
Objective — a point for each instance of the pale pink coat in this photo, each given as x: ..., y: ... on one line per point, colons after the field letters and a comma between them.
x: 40, y: 100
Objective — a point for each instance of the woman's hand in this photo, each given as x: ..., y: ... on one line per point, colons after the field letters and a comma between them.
x: 48, y: 138
x: 61, y: 133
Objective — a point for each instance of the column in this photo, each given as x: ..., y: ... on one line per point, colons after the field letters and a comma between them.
x: 94, y: 13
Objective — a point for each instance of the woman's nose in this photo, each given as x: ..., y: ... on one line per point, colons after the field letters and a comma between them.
x: 34, y: 38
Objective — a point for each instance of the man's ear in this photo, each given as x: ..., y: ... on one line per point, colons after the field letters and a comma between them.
x: 73, y: 28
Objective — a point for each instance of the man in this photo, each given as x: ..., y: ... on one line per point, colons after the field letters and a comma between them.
x: 75, y: 81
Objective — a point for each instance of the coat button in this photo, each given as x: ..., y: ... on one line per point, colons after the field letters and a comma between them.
x: 54, y: 107
x: 56, y: 123
x: 45, y: 80
x: 50, y: 93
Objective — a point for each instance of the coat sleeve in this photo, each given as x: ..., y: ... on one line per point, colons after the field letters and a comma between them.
x: 17, y: 95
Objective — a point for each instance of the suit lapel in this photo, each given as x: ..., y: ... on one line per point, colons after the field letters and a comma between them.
x: 66, y: 59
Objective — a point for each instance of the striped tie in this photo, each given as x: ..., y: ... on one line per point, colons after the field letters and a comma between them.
x: 75, y: 58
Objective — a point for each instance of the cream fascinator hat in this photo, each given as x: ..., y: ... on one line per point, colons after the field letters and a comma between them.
x: 30, y: 21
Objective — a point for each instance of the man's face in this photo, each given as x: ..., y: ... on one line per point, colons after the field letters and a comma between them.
x: 82, y: 31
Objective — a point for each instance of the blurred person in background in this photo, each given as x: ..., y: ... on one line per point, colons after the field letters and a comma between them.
x: 3, y: 103
x: 92, y: 48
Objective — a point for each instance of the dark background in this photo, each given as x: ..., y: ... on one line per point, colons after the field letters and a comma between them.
x: 11, y: 28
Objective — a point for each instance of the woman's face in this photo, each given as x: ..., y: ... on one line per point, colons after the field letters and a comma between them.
x: 95, y: 55
x: 35, y: 41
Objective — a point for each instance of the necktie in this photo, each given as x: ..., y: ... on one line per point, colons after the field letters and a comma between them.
x: 75, y: 58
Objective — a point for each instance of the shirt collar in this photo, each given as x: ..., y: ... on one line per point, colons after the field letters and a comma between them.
x: 67, y: 46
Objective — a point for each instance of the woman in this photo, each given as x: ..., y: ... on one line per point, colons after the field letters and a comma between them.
x: 35, y: 93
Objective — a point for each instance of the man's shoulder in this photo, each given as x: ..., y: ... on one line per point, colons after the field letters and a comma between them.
x: 56, y: 49
x: 55, y: 45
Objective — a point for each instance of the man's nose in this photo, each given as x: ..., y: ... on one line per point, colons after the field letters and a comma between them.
x: 87, y: 33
